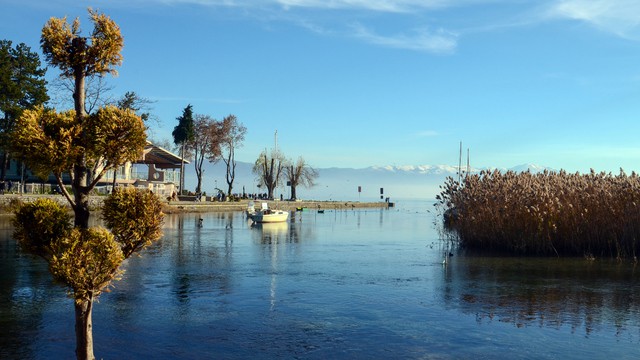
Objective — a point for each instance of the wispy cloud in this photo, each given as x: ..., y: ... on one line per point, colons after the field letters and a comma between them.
x: 620, y: 17
x: 439, y: 42
x: 191, y: 99
x: 373, y: 5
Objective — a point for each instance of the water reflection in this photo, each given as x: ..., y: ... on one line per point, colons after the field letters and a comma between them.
x: 352, y: 284
x: 582, y: 295
x: 271, y: 235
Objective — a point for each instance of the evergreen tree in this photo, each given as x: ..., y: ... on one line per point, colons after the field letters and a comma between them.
x: 184, y: 133
x: 22, y: 86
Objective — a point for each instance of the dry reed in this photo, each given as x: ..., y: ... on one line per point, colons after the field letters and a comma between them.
x: 549, y: 213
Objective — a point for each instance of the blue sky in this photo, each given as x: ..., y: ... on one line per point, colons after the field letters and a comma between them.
x: 355, y: 83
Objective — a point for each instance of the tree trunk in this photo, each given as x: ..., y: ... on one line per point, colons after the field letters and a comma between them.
x: 81, y: 198
x: 231, y: 170
x: 230, y: 178
x: 3, y: 160
x: 81, y: 212
x: 84, y: 330
x: 182, y: 169
x: 199, y: 186
x: 271, y: 185
x: 293, y: 192
x: 79, y: 93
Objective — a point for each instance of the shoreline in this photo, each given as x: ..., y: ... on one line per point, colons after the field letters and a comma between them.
x: 208, y: 206
x: 7, y: 202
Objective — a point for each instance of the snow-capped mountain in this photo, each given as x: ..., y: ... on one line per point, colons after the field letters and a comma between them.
x: 365, y: 184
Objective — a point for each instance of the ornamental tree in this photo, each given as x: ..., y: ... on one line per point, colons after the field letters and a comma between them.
x: 77, y: 144
x: 87, y: 260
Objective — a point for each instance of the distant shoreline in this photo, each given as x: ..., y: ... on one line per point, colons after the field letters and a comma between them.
x: 191, y: 206
x: 174, y: 207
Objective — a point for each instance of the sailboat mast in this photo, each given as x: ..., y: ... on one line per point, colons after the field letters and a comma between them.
x: 275, y: 141
x: 460, y: 163
x: 468, y: 166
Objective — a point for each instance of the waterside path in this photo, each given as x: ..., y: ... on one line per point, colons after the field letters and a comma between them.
x: 208, y: 206
x: 172, y: 207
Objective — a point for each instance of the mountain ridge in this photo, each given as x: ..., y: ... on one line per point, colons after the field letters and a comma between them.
x: 371, y: 183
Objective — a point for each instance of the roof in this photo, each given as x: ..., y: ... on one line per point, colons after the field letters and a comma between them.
x: 162, y: 158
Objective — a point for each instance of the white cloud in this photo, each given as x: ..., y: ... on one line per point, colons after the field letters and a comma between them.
x: 620, y: 17
x: 439, y: 42
x: 374, y: 5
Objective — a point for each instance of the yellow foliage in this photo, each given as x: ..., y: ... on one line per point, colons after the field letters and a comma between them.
x: 135, y: 217
x: 39, y: 224
x: 86, y: 260
x: 52, y: 142
x: 63, y: 46
x: 47, y: 140
x: 116, y: 135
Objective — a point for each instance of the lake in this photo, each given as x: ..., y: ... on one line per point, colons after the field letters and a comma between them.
x: 368, y: 284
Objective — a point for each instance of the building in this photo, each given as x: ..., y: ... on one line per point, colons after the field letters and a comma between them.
x: 157, y: 170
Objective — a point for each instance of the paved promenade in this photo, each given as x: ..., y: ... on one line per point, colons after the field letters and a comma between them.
x: 95, y: 203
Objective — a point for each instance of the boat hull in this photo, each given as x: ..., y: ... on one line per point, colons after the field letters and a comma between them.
x: 271, y: 217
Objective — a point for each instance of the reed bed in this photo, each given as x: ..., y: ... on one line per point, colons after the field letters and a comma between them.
x: 543, y: 214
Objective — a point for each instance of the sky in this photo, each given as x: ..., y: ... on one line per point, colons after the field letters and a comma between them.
x: 358, y: 83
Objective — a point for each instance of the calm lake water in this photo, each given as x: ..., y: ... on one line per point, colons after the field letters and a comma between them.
x: 367, y: 284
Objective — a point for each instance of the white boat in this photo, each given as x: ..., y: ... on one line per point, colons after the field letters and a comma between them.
x: 266, y: 215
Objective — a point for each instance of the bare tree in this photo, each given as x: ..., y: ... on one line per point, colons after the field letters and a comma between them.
x: 233, y: 135
x: 268, y: 168
x: 97, y: 92
x: 166, y: 144
x: 299, y: 173
x: 205, y: 144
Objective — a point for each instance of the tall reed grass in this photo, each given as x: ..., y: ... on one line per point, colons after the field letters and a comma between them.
x: 549, y: 213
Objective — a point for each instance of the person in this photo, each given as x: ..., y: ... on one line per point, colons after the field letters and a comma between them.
x: 9, y: 186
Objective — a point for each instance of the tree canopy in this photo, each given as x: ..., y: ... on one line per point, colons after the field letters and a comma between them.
x: 182, y: 134
x: 299, y: 174
x: 22, y: 83
x: 268, y: 168
x: 233, y: 135
x: 75, y: 55
x: 52, y: 142
x: 22, y: 86
x: 185, y: 130
x: 205, y: 144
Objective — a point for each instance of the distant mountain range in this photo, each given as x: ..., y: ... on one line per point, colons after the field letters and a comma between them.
x: 397, y: 182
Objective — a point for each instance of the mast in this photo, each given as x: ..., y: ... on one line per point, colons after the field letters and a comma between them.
x: 275, y: 141
x: 468, y: 166
x: 460, y: 164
